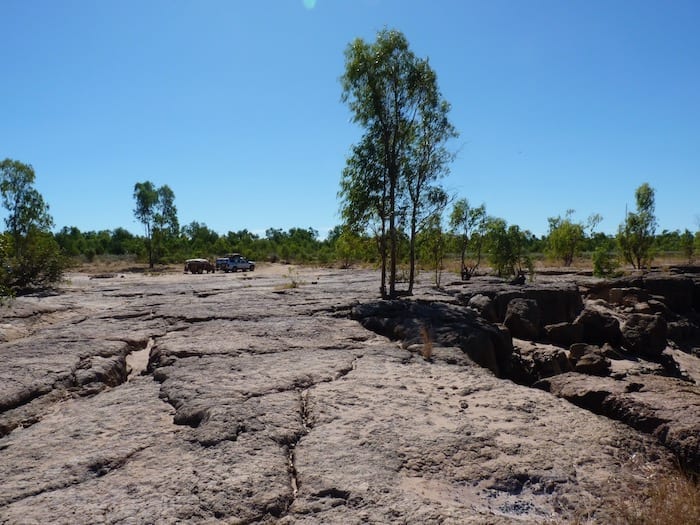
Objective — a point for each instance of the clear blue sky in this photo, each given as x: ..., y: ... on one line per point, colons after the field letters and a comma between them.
x: 236, y: 105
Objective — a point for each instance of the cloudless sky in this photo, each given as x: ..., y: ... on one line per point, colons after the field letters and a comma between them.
x: 236, y: 105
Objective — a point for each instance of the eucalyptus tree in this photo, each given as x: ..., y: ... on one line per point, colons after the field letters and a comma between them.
x: 155, y: 209
x: 364, y: 195
x: 393, y: 95
x: 29, y: 255
x: 566, y: 238
x: 26, y: 208
x: 433, y: 245
x: 469, y: 224
x: 428, y: 160
x: 635, y: 236
x: 507, y: 247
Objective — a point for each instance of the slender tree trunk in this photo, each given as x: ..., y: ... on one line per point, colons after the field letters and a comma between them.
x: 412, y: 254
x: 393, y: 248
x: 382, y: 254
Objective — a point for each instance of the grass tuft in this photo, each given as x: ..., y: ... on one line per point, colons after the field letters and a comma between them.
x: 427, y: 338
x: 672, y: 498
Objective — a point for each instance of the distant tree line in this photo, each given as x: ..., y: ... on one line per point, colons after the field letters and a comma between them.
x: 395, y: 213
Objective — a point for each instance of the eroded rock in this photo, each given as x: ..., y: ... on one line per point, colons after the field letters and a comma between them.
x: 266, y: 404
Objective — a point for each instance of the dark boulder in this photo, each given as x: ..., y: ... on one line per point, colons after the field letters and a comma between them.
x: 564, y: 334
x: 558, y: 302
x: 589, y: 359
x: 484, y: 306
x: 599, y: 325
x: 593, y: 363
x: 523, y: 318
x: 645, y: 335
x: 676, y: 291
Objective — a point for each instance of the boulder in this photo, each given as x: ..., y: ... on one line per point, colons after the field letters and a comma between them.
x: 593, y: 363
x: 645, y: 335
x: 523, y: 318
x: 676, y: 290
x: 627, y: 296
x: 564, y: 334
x: 589, y: 359
x: 534, y: 361
x: 484, y: 306
x: 599, y: 325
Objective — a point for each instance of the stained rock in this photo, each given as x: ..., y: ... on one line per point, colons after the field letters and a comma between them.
x: 645, y: 335
x: 523, y: 318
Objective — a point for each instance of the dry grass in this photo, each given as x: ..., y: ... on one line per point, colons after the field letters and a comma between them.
x: 671, y: 499
x: 427, y: 338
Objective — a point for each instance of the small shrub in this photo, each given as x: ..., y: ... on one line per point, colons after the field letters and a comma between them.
x: 605, y: 262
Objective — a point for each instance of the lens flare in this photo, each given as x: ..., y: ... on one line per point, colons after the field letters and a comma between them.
x: 309, y: 4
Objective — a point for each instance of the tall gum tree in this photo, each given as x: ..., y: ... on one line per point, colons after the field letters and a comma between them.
x: 393, y: 96
x: 26, y: 208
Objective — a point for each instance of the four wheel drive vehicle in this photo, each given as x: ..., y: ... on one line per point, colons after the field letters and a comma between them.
x: 199, y: 266
x: 234, y: 262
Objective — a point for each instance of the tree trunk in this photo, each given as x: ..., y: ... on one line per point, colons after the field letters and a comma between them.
x: 412, y: 254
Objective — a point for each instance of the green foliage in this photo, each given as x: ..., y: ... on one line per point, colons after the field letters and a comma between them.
x: 605, y: 263
x: 687, y: 243
x: 469, y: 226
x: 433, y: 246
x: 565, y: 239
x: 636, y: 235
x: 40, y: 265
x: 25, y: 205
x: 29, y: 255
x: 155, y: 209
x: 507, y: 248
x: 5, y: 254
x: 391, y: 173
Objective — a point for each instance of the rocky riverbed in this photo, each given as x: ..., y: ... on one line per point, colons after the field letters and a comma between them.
x: 291, y: 395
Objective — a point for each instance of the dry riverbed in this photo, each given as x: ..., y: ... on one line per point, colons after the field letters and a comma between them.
x: 254, y: 398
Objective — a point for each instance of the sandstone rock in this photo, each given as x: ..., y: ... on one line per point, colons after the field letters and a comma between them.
x: 593, y: 363
x: 484, y: 306
x: 564, y: 334
x: 627, y: 296
x: 664, y: 407
x: 676, y: 291
x: 645, y: 335
x: 523, y: 318
x: 558, y: 302
x: 449, y: 325
x: 265, y: 404
x: 534, y: 361
x: 599, y: 325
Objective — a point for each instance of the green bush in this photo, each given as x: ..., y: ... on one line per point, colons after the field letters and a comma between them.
x: 605, y: 261
x: 40, y: 264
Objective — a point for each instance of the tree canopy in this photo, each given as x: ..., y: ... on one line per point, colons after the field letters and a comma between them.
x: 29, y: 254
x: 155, y: 209
x: 636, y: 235
x: 390, y: 175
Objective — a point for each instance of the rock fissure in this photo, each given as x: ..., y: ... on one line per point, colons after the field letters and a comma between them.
x: 285, y: 416
x: 306, y: 426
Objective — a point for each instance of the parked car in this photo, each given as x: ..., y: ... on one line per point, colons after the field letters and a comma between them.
x: 199, y: 266
x: 234, y: 262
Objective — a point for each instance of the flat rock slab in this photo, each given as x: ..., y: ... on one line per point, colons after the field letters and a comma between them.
x: 264, y: 403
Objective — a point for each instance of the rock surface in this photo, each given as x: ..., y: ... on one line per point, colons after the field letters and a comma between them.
x: 262, y: 401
